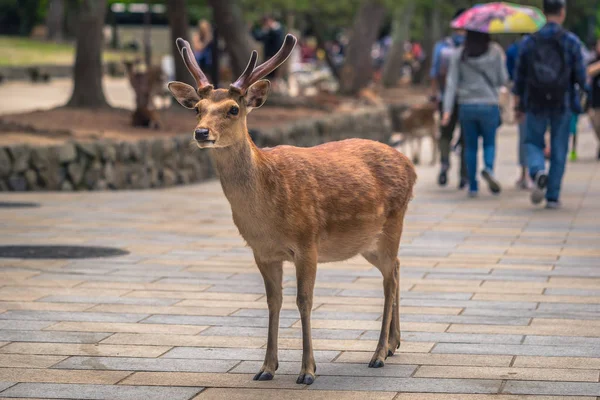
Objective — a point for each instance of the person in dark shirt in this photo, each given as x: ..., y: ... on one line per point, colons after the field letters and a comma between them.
x: 553, y: 55
x: 271, y: 36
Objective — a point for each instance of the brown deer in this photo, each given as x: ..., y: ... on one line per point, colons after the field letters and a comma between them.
x: 305, y: 205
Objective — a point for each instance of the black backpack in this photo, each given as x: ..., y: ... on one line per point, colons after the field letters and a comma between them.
x: 550, y: 75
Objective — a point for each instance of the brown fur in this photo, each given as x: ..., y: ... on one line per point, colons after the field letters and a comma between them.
x: 307, y: 205
x: 145, y: 84
x: 415, y: 124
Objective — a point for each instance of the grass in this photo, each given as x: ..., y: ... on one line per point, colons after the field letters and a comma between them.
x: 20, y: 51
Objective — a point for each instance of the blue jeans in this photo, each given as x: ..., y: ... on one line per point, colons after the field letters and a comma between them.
x: 559, y: 144
x: 479, y: 120
x: 522, y: 145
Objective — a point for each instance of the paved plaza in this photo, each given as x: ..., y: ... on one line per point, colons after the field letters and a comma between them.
x: 499, y: 300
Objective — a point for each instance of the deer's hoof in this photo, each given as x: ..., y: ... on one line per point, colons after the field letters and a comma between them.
x: 305, y: 379
x: 263, y: 376
x: 376, y: 364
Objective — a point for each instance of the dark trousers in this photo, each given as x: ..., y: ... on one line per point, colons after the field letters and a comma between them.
x: 446, y: 135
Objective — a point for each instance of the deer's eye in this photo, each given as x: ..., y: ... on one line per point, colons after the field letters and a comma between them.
x: 234, y: 110
x: 197, y: 111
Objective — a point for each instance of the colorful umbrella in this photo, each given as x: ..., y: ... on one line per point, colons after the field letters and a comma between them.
x: 500, y: 18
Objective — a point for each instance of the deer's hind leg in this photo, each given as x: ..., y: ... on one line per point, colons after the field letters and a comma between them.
x: 385, y: 258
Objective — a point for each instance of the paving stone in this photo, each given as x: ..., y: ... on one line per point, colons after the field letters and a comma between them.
x: 217, y: 321
x: 494, y: 277
x: 184, y: 340
x: 100, y: 392
x: 283, y: 394
x: 168, y: 310
x: 553, y: 388
x: 469, y: 304
x: 462, y: 396
x: 53, y: 337
x: 245, y: 354
x: 24, y: 325
x: 336, y: 369
x: 283, y: 332
x: 60, y: 376
x: 572, y: 292
x: 558, y: 362
x: 126, y: 328
x: 208, y: 380
x: 73, y: 316
x: 528, y: 374
x: 450, y: 337
x: 522, y: 350
x: 5, y: 385
x: 28, y: 361
x: 109, y: 300
x: 146, y: 364
x: 404, y: 384
x: 563, y: 341
x: 467, y: 319
x: 84, y: 349
x: 429, y: 359
x: 101, y: 278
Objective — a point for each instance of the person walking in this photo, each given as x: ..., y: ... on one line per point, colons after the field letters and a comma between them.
x: 512, y: 54
x: 442, y: 53
x: 476, y: 73
x: 549, y: 66
x: 593, y: 71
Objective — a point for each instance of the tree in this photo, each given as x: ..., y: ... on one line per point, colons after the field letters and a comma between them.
x: 55, y: 19
x: 403, y: 16
x: 87, y: 90
x: 232, y: 27
x: 177, y: 12
x: 357, y: 70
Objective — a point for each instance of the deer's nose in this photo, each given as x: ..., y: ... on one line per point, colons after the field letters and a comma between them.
x: 201, y: 134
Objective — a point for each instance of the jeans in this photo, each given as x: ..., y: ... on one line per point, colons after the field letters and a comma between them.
x: 479, y: 120
x: 446, y: 134
x: 522, y: 145
x: 559, y: 146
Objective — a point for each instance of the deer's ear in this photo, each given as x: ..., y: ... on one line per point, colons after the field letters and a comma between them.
x: 184, y: 94
x: 257, y: 94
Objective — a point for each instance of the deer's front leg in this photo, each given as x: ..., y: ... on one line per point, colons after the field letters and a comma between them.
x: 306, y: 272
x: 272, y: 273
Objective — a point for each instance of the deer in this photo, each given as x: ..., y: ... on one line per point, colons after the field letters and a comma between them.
x: 312, y: 205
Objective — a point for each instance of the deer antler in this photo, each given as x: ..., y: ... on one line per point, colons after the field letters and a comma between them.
x: 251, y: 74
x: 190, y: 62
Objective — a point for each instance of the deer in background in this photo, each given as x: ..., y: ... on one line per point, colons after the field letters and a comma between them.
x: 304, y: 205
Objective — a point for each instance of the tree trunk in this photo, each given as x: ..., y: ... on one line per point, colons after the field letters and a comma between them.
x: 55, y: 20
x: 400, y: 31
x: 177, y: 12
x: 232, y: 27
x: 87, y: 90
x: 358, y: 69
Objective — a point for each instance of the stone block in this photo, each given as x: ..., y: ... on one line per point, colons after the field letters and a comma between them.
x: 66, y: 153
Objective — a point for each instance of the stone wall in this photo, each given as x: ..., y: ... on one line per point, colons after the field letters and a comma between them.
x: 162, y: 162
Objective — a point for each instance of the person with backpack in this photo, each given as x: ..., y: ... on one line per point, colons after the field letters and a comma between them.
x: 549, y: 66
x: 442, y: 53
x: 477, y: 71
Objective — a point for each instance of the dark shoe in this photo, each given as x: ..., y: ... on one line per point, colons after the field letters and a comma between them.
x: 493, y: 184
x: 539, y: 190
x: 463, y: 183
x: 598, y: 154
x: 443, y: 178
